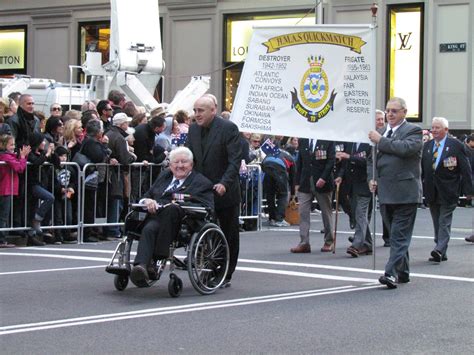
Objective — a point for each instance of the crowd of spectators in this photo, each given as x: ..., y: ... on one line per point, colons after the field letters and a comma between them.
x: 35, y: 150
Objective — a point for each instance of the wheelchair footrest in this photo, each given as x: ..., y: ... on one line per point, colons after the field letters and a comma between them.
x: 117, y: 270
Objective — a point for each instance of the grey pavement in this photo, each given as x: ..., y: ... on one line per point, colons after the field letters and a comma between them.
x: 59, y: 300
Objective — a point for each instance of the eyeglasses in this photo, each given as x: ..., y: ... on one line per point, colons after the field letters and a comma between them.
x: 56, y: 109
x: 393, y: 110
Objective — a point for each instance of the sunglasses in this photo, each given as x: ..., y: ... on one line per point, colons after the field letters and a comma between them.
x: 393, y: 110
x: 56, y: 109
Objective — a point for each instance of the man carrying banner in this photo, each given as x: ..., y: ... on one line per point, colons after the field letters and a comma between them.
x: 315, y: 178
x: 398, y: 182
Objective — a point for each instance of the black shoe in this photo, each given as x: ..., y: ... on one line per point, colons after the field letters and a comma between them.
x: 436, y: 256
x: 388, y: 281
x: 139, y: 276
x: 386, y: 244
x: 90, y: 239
x: 50, y: 239
x: 403, y: 279
x: 35, y: 242
x: 436, y: 259
x: 226, y: 284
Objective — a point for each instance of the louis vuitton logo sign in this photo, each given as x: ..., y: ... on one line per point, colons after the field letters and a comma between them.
x: 404, y: 39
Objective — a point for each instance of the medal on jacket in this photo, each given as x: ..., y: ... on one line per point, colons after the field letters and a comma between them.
x: 450, y: 163
x: 320, y: 154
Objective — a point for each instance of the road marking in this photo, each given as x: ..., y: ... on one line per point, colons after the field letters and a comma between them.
x: 111, y: 317
x: 279, y: 263
x: 342, y: 268
x: 305, y: 274
x: 52, y: 270
x: 72, y: 257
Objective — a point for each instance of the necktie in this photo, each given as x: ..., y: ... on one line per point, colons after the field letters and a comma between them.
x: 389, y: 134
x: 435, y: 154
x: 173, y: 187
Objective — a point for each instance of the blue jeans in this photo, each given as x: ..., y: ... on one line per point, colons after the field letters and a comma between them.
x: 47, y: 200
x: 4, y: 214
x: 113, y: 212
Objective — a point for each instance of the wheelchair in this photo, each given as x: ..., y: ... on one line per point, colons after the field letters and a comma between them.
x: 207, y: 260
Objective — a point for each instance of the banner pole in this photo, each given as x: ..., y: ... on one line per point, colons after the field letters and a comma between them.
x: 374, y: 9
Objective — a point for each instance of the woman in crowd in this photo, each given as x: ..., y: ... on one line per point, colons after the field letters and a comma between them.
x: 4, y: 127
x: 73, y: 136
x: 54, y: 131
x: 138, y: 119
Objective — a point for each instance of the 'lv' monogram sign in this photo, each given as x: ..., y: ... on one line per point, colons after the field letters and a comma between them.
x: 404, y: 38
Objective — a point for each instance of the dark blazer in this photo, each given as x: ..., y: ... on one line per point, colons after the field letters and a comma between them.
x: 354, y: 170
x: 398, y: 166
x: 308, y: 165
x: 445, y: 184
x: 220, y: 159
x: 196, y: 185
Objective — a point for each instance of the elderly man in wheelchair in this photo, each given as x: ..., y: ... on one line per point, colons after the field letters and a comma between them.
x: 177, y: 211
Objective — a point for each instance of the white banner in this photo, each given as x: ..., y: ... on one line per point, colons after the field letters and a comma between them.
x: 311, y: 82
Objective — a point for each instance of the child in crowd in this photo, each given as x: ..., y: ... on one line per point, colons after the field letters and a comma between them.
x: 9, y: 179
x: 63, y: 193
x: 37, y: 157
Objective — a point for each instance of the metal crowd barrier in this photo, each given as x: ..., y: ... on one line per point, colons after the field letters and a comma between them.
x: 19, y: 205
x: 95, y: 201
x: 251, y: 194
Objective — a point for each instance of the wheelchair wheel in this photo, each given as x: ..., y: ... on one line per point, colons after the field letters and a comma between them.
x: 208, y: 259
x: 175, y: 286
x: 120, y: 282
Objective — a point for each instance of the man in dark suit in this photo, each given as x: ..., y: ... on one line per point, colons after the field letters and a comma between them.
x: 398, y: 181
x: 446, y: 173
x: 354, y: 173
x: 162, y: 226
x: 216, y: 146
x: 315, y: 178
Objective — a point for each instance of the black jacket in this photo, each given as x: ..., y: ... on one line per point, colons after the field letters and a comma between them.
x: 354, y: 170
x: 220, y: 159
x: 452, y: 175
x: 317, y: 164
x: 196, y: 185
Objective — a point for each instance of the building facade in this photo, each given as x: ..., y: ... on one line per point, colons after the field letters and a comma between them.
x: 424, y: 47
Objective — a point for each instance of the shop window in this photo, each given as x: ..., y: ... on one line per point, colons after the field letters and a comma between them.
x: 405, y: 57
x: 13, y: 50
x: 238, y: 32
x: 94, y: 37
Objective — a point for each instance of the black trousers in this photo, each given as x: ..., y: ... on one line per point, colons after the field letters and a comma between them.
x: 158, y: 233
x: 229, y: 222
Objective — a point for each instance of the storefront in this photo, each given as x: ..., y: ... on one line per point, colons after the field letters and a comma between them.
x: 424, y: 47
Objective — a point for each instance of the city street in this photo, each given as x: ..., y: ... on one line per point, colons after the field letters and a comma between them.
x: 59, y: 300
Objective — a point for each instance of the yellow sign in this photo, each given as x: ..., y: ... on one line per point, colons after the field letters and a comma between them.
x: 12, y: 49
x: 292, y: 39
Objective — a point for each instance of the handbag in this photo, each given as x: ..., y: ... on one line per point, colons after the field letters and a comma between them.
x: 91, y: 182
x: 81, y: 159
x: 292, y: 215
